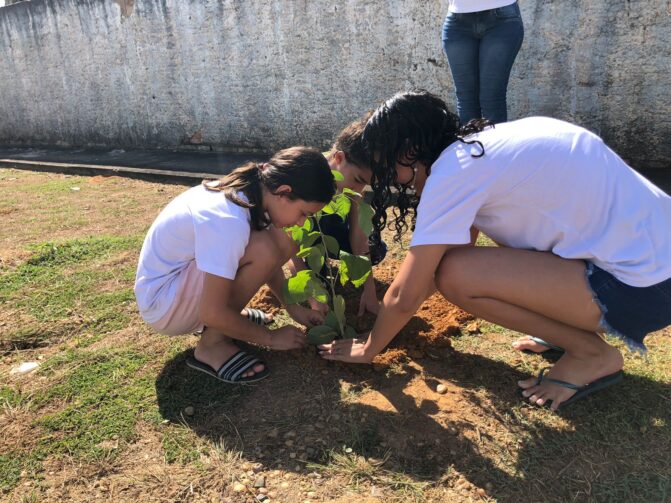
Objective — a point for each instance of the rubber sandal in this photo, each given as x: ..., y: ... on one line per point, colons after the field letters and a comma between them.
x: 580, y: 391
x: 257, y: 316
x: 553, y: 353
x: 232, y: 369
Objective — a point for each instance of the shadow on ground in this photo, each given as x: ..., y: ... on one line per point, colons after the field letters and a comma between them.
x: 479, y: 428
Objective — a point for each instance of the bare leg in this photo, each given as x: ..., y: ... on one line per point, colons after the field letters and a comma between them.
x: 539, y: 294
x: 264, y: 256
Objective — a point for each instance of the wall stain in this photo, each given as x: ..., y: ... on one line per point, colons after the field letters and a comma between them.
x: 126, y: 6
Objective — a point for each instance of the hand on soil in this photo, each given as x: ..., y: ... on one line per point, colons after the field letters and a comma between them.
x: 346, y: 350
x: 287, y: 337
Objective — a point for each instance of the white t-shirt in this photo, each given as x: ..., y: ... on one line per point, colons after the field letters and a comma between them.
x: 200, y: 225
x: 463, y: 6
x: 548, y: 185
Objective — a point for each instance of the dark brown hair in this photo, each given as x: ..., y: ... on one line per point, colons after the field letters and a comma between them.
x: 350, y: 142
x: 303, y: 169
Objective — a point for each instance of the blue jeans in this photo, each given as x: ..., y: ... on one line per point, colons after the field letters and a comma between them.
x: 481, y: 48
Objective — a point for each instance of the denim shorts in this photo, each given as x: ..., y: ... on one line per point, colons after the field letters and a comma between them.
x: 629, y: 312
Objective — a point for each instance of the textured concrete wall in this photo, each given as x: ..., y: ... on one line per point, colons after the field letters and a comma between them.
x: 266, y: 74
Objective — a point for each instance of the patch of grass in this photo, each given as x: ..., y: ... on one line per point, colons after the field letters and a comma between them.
x: 180, y: 445
x: 10, y: 470
x: 357, y: 469
x: 9, y: 397
x: 105, y: 395
x: 12, y: 464
x: 66, y: 281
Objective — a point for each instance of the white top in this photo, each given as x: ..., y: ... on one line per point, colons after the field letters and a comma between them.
x: 548, y: 185
x: 200, y: 225
x: 463, y: 6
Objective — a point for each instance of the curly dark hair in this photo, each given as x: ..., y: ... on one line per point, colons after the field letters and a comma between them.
x: 415, y: 126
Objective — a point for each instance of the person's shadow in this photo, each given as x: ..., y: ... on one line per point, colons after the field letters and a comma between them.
x: 613, y: 446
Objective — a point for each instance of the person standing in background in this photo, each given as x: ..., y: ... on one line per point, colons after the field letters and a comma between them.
x: 481, y: 39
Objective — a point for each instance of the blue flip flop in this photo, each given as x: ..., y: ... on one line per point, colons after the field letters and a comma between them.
x: 580, y: 391
x: 553, y: 353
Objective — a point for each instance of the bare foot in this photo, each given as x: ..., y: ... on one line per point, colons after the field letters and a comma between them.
x: 527, y: 343
x: 579, y: 370
x: 216, y: 349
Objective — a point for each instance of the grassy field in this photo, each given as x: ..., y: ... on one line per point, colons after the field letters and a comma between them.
x: 112, y: 413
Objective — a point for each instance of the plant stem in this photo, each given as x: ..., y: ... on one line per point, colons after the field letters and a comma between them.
x: 330, y: 279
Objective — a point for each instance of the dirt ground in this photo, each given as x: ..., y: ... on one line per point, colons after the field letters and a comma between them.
x: 318, y: 430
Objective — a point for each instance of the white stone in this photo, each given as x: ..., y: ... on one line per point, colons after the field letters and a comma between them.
x: 24, y: 368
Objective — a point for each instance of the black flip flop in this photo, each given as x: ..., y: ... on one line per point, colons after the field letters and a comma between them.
x: 257, y: 316
x: 553, y: 353
x: 232, y: 369
x: 580, y: 391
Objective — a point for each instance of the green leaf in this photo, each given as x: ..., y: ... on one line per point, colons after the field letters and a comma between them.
x: 318, y: 291
x: 307, y: 226
x: 304, y: 285
x: 340, y: 205
x: 321, y: 334
x: 338, y: 176
x: 297, y: 288
x: 351, y: 192
x: 304, y: 252
x: 315, y: 259
x: 332, y: 245
x: 297, y: 233
x: 339, y: 310
x: 332, y: 321
x: 309, y: 239
x: 350, y: 333
x: 353, y: 268
x: 366, y: 213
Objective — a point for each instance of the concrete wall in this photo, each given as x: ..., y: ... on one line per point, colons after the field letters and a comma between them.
x: 254, y: 74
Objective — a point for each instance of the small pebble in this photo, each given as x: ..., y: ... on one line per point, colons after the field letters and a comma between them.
x: 481, y: 492
x: 263, y: 490
x: 441, y: 389
x: 189, y: 411
x: 238, y: 487
x: 24, y: 368
x: 260, y: 482
x: 311, y: 495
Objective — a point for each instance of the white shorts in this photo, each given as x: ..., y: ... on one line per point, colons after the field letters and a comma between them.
x: 183, y: 317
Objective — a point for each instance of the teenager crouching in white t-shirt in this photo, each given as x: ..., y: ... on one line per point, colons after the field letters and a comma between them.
x: 212, y: 248
x: 586, y: 246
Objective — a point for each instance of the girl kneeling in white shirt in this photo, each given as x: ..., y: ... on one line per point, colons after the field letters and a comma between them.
x: 586, y: 247
x: 212, y: 248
